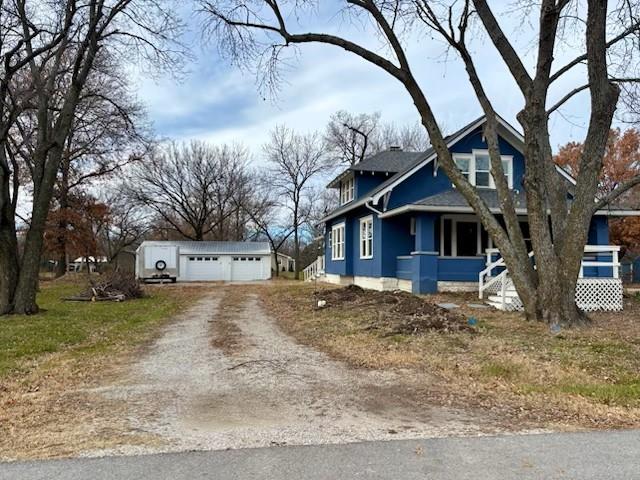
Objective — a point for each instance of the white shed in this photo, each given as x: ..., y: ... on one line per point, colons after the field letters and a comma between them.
x: 188, y: 261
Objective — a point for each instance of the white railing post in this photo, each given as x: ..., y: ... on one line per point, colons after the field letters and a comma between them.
x: 616, y: 264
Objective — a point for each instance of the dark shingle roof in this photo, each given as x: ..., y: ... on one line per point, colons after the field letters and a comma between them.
x: 387, y: 161
x: 453, y: 198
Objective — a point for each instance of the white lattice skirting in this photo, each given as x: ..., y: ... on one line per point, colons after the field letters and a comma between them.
x: 599, y: 294
x: 592, y: 295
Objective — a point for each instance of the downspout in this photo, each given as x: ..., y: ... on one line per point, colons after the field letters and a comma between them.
x: 370, y: 207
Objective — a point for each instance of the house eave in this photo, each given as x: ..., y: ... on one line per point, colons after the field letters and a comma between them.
x: 468, y: 209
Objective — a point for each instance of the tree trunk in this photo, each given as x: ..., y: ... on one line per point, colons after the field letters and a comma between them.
x: 9, y: 266
x: 9, y: 262
x: 27, y: 285
x: 63, y: 207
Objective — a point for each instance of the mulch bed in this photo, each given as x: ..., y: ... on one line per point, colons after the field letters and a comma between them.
x: 395, y: 312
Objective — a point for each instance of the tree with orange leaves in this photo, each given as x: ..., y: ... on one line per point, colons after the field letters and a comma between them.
x: 621, y: 162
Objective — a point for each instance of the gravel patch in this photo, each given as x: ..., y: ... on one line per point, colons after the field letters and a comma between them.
x: 191, y: 395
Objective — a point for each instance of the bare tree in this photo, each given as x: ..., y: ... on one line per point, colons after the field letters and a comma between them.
x: 547, y: 291
x: 192, y: 187
x: 410, y: 137
x: 268, y: 217
x: 125, y: 227
x: 294, y: 161
x: 91, y: 33
x: 108, y: 132
x: 350, y: 138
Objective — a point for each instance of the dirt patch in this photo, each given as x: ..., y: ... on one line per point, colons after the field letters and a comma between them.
x: 395, y: 313
x: 528, y: 375
x: 226, y: 334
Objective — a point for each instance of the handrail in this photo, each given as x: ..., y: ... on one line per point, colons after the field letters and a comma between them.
x: 614, y: 263
x: 314, y: 269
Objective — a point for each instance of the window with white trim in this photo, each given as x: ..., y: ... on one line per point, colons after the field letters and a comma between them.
x: 462, y: 236
x: 476, y: 167
x: 337, y: 242
x: 366, y: 237
x: 346, y: 190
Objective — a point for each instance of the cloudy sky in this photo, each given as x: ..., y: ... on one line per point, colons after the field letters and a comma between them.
x: 221, y: 103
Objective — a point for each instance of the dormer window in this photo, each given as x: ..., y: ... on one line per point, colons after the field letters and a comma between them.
x: 346, y: 190
x: 476, y: 167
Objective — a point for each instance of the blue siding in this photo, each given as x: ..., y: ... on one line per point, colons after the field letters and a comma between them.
x: 423, y: 184
x: 460, y: 269
x: 392, y: 237
x: 404, y: 267
x: 366, y: 182
x: 396, y: 240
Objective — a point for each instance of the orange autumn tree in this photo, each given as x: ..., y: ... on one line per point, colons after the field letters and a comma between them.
x: 621, y: 162
x: 84, y: 220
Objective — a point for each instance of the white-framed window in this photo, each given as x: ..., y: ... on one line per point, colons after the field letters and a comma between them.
x: 366, y: 237
x: 463, y: 236
x: 337, y: 242
x: 346, y: 190
x: 476, y: 167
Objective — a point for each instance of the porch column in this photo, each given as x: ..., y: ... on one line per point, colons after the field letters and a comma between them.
x: 425, y: 257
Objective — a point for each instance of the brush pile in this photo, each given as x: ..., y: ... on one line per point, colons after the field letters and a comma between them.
x: 395, y: 313
x: 115, y: 287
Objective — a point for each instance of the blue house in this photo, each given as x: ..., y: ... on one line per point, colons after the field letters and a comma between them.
x: 401, y: 224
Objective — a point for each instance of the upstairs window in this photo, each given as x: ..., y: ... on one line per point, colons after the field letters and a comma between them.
x: 366, y: 237
x: 346, y: 190
x: 476, y: 167
x: 337, y: 242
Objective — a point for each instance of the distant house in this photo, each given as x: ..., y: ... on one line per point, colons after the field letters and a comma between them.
x: 81, y: 264
x: 402, y: 224
x: 283, y: 263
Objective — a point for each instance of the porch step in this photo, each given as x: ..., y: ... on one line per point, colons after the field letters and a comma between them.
x: 510, y: 297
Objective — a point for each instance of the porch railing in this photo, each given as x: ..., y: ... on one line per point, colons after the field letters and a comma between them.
x: 597, y: 257
x: 314, y: 269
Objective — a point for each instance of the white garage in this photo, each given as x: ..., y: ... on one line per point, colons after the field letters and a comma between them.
x: 188, y: 261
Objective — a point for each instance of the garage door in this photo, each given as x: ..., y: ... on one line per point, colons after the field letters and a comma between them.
x: 204, y: 268
x: 246, y: 268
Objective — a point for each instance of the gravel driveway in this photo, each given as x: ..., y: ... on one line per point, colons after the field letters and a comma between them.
x: 223, y: 375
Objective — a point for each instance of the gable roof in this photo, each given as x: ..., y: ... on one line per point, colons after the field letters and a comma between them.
x: 194, y: 247
x: 387, y: 161
x: 421, y: 160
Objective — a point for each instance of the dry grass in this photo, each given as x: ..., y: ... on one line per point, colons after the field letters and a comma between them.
x: 227, y: 336
x: 582, y: 377
x: 47, y: 406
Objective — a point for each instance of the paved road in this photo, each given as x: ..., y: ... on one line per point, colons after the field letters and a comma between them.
x: 580, y: 456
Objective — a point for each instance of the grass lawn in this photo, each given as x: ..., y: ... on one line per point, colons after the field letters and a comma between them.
x: 587, y: 376
x: 80, y: 328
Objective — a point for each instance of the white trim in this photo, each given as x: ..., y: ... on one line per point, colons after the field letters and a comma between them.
x: 519, y: 211
x: 347, y: 190
x: 450, y: 143
x: 454, y: 235
x: 566, y: 174
x: 367, y: 240
x: 473, y: 170
x: 516, y: 135
x: 337, y: 253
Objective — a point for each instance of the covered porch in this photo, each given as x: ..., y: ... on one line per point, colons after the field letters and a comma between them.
x: 453, y: 252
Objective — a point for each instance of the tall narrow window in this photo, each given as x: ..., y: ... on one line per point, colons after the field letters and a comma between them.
x: 483, y: 168
x: 346, y: 190
x: 464, y: 164
x: 337, y: 242
x: 366, y: 237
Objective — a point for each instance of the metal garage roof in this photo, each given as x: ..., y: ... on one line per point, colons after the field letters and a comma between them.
x: 192, y: 247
